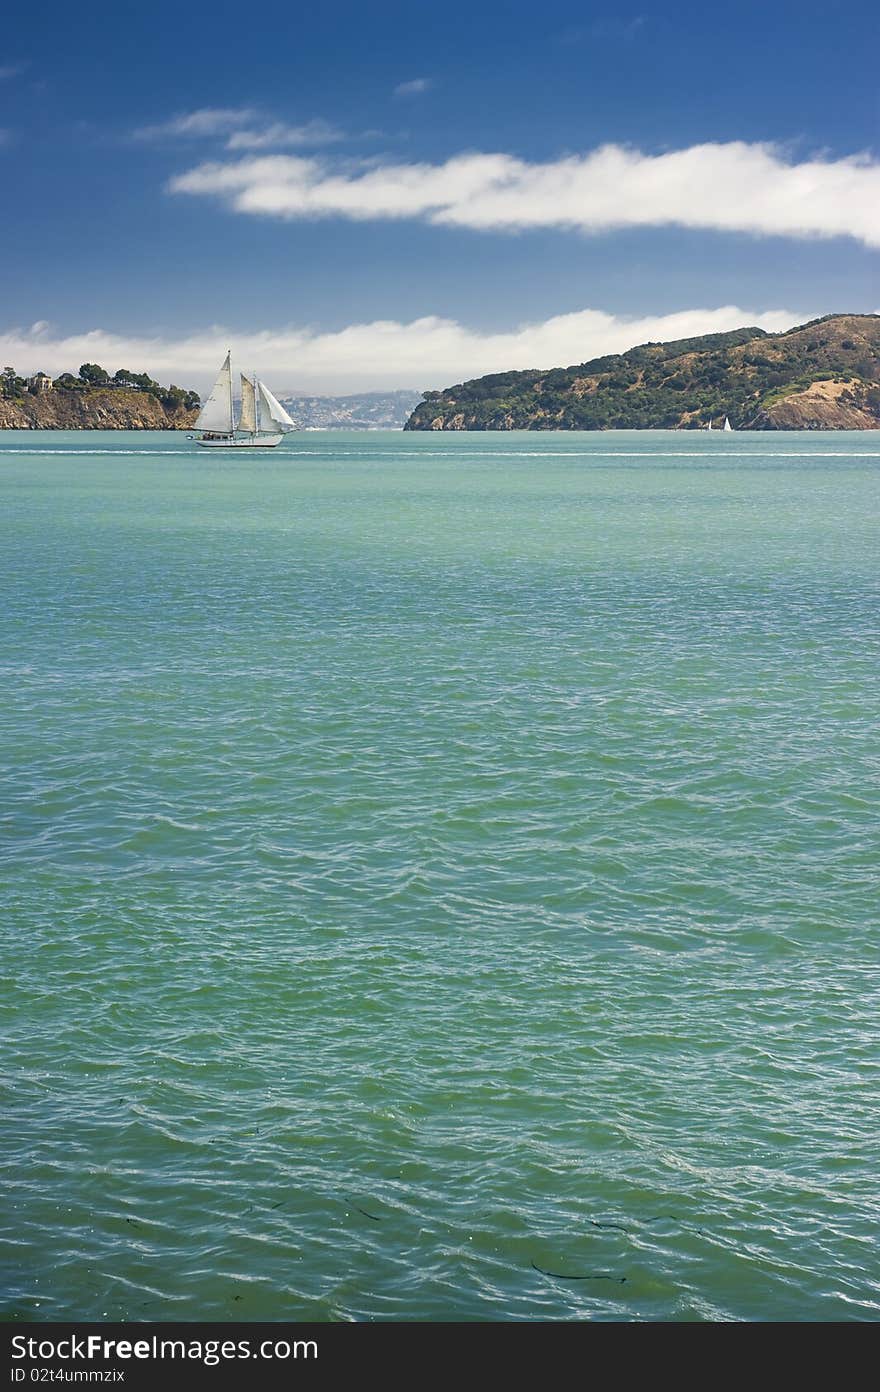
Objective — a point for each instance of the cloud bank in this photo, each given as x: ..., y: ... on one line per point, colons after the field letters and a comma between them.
x: 735, y: 187
x: 425, y: 353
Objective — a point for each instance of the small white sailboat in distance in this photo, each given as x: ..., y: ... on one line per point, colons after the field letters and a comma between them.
x: 262, y: 422
x: 726, y: 425
x: 709, y: 426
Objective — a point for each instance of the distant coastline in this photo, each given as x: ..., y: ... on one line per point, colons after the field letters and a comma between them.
x: 823, y: 375
x: 133, y: 401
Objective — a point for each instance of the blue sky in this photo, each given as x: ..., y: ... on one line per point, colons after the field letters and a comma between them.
x: 287, y: 177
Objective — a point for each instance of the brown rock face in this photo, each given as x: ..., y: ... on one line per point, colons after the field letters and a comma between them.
x: 98, y: 409
x: 825, y: 406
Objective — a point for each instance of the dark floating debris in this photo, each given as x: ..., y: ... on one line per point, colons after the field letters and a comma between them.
x: 587, y: 1276
x: 674, y: 1218
x: 658, y: 1218
x: 372, y: 1216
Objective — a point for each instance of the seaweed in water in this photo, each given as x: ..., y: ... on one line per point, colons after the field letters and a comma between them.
x: 372, y: 1216
x: 587, y: 1276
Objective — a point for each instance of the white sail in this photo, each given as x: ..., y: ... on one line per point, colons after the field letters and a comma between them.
x: 709, y: 426
x: 216, y: 414
x: 271, y: 410
x: 248, y: 418
x: 727, y: 425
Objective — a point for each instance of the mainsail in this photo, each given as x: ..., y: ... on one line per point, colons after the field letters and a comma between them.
x: 248, y: 418
x: 216, y: 414
x: 271, y: 409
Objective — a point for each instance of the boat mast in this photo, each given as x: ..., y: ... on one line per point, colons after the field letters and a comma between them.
x: 258, y: 421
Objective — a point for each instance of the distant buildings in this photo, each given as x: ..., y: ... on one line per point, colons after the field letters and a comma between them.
x: 40, y: 382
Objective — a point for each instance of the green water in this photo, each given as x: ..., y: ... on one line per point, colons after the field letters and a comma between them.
x: 427, y: 860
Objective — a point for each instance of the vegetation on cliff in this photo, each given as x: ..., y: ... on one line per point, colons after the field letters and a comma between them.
x: 822, y: 375
x: 125, y: 401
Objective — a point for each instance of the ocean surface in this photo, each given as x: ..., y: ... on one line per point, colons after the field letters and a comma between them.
x: 440, y: 877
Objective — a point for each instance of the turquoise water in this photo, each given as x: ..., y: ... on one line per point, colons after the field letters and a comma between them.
x: 426, y: 860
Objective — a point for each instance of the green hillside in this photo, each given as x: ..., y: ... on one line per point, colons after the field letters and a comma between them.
x: 824, y: 375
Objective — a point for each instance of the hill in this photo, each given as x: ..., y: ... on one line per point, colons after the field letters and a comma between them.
x: 824, y: 375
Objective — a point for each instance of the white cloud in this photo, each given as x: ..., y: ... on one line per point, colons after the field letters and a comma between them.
x: 426, y: 352
x: 237, y: 125
x: 734, y: 188
x: 413, y: 88
x: 8, y: 70
x: 209, y: 120
x: 316, y: 132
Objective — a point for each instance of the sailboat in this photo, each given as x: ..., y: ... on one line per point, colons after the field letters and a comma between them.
x: 726, y: 425
x: 709, y: 426
x: 262, y: 420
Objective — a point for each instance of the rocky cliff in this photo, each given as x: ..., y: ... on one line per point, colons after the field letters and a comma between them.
x: 824, y: 375
x: 824, y: 405
x: 101, y: 408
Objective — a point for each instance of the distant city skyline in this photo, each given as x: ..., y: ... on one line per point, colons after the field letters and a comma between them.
x: 395, y: 197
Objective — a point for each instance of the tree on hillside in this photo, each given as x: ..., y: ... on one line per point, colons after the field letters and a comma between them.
x: 11, y: 385
x: 175, y: 397
x: 94, y: 375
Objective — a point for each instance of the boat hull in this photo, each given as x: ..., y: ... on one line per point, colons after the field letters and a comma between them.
x: 246, y: 442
